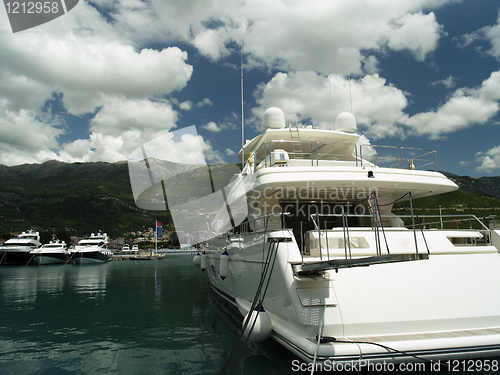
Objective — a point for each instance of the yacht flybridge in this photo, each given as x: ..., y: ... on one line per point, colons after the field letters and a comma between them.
x: 331, y: 273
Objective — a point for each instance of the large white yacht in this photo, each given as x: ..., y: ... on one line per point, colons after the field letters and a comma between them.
x: 92, y: 249
x: 17, y: 249
x: 334, y: 274
x: 55, y: 252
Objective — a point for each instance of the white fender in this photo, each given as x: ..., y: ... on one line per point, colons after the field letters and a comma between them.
x: 262, y: 327
x: 224, y: 265
x: 197, y: 260
x: 203, y: 261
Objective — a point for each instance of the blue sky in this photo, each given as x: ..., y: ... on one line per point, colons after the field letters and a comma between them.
x: 96, y: 83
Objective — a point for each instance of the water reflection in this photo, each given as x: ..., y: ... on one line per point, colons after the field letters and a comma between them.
x: 118, y: 317
x: 21, y: 285
x: 158, y: 288
x: 18, y: 290
x: 89, y: 280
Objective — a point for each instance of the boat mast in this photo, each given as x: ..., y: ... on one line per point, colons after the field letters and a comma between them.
x: 242, y: 111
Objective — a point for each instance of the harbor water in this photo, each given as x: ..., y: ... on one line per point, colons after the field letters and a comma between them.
x: 122, y: 317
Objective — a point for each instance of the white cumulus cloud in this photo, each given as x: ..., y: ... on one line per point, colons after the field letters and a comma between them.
x: 307, y: 97
x: 465, y: 108
x: 83, y: 60
x: 212, y: 126
x: 489, y: 160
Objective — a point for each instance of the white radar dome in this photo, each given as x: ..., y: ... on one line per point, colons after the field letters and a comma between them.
x: 274, y: 118
x: 346, y: 122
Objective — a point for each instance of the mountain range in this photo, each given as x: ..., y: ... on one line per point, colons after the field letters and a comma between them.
x: 82, y: 197
x: 489, y: 186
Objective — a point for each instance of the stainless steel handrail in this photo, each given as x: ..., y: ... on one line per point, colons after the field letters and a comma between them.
x: 309, y: 155
x: 378, y: 252
x: 398, y: 160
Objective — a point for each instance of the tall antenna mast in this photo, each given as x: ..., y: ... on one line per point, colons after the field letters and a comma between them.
x: 289, y: 108
x: 349, y: 73
x: 242, y: 111
x: 330, y: 102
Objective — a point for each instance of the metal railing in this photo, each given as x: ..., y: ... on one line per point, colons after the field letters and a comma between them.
x: 426, y: 159
x: 417, y: 224
x: 310, y: 150
x: 359, y: 155
x: 376, y: 220
x: 315, y: 267
x: 399, y: 157
x: 379, y: 230
x: 454, y: 221
x: 381, y: 251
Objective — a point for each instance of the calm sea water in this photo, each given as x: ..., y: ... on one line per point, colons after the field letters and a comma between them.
x: 122, y: 317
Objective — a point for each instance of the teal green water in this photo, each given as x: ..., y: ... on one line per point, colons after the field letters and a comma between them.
x: 122, y: 317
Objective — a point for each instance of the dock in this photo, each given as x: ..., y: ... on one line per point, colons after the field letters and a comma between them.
x: 141, y: 256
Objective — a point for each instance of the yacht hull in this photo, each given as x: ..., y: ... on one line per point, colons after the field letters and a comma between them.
x: 12, y: 257
x: 16, y: 250
x: 91, y: 257
x: 42, y: 259
x: 92, y: 249
x: 443, y: 307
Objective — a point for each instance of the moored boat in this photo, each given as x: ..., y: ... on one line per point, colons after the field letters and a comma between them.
x: 17, y: 250
x: 92, y: 249
x: 333, y: 273
x: 55, y: 252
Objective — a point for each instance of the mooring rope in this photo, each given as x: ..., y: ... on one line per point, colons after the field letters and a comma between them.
x: 4, y: 256
x: 320, y: 334
x: 266, y: 272
x: 30, y: 259
x: 70, y: 258
x: 258, y: 301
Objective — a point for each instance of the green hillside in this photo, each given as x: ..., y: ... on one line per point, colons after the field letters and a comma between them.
x: 79, y: 197
x: 457, y: 205
x: 83, y: 197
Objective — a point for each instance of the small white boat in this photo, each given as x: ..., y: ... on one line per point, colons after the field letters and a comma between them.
x: 92, y: 249
x: 135, y: 249
x: 17, y: 250
x: 126, y: 249
x: 55, y: 252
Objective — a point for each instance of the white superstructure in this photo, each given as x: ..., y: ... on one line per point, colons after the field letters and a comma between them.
x: 323, y: 253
